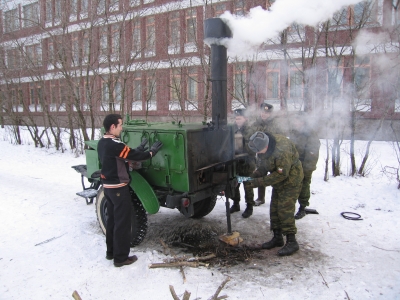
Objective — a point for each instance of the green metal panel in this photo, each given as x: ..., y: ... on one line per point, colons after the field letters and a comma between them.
x: 145, y: 193
x: 92, y: 144
x: 92, y: 161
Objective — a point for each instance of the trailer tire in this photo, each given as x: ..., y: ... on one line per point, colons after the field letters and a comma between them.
x: 204, y: 207
x: 138, y: 217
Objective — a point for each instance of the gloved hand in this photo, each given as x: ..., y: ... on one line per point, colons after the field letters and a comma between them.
x: 142, y: 146
x: 155, y: 147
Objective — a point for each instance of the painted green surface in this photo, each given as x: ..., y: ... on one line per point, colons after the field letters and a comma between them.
x: 144, y: 192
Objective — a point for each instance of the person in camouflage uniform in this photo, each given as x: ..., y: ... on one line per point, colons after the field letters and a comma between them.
x: 266, y: 122
x: 246, y: 165
x: 307, y: 145
x: 278, y: 165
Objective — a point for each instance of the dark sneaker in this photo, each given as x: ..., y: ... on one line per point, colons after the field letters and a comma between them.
x: 129, y: 261
x: 248, y: 211
x: 259, y: 202
x: 234, y: 208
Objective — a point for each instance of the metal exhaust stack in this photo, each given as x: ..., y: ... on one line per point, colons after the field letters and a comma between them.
x: 215, y: 29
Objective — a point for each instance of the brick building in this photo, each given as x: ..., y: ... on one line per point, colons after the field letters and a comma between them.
x: 75, y: 60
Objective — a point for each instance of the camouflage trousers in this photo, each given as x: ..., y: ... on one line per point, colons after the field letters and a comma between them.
x: 304, y: 196
x: 282, y: 208
x: 245, y: 169
x: 248, y: 195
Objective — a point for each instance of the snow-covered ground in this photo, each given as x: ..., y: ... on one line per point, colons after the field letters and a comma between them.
x: 51, y: 244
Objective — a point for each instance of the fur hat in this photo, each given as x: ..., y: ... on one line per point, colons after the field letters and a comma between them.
x: 258, y: 141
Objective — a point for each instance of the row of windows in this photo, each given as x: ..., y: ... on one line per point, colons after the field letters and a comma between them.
x: 184, y: 87
x: 55, y: 10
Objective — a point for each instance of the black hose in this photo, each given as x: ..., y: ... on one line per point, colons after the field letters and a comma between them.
x: 354, y: 217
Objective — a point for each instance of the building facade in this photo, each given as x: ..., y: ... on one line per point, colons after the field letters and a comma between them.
x: 77, y: 60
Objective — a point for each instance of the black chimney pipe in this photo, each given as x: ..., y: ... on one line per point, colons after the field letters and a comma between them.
x: 214, y: 30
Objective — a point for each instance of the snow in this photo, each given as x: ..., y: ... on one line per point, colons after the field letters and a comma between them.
x: 51, y: 243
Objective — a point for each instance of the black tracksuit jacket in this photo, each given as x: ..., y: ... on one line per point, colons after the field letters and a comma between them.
x: 113, y: 155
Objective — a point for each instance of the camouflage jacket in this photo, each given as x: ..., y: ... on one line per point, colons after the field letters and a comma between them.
x: 269, y: 125
x: 307, y: 145
x: 280, y: 165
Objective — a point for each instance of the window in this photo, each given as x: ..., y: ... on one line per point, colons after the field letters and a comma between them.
x: 101, y: 7
x: 137, y: 92
x: 34, y: 54
x: 362, y: 100
x: 192, y: 89
x: 175, y: 90
x: 13, y: 59
x: 85, y: 46
x: 136, y: 38
x: 134, y: 3
x: 174, y: 30
x: 150, y: 36
x: 151, y: 92
x: 219, y: 9
x: 240, y: 7
x: 117, y: 92
x: 273, y: 80
x: 104, y: 40
x: 335, y: 81
x: 31, y: 14
x: 240, y: 83
x: 191, y: 26
x: 49, y: 10
x: 105, y: 99
x: 11, y: 20
x: 296, y: 84
x: 58, y: 9
x: 358, y: 14
x: 363, y: 12
x: 84, y: 6
x: 74, y: 7
x: 75, y: 50
x: 115, y: 38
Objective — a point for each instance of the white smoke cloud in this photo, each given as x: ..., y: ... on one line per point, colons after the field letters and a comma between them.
x: 250, y: 31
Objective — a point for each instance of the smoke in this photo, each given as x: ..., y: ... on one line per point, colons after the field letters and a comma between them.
x: 259, y: 25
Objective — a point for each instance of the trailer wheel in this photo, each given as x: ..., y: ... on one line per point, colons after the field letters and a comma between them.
x: 204, y: 207
x: 139, y: 217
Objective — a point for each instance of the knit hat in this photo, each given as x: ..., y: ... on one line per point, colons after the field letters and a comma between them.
x: 266, y: 107
x: 258, y: 141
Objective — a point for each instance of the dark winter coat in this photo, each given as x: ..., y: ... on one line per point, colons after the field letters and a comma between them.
x: 113, y: 155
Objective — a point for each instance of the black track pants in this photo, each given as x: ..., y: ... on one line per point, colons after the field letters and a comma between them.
x: 118, y: 234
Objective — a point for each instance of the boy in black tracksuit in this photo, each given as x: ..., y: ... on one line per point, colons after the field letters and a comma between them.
x: 113, y: 155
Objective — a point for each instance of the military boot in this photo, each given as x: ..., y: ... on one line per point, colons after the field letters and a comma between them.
x: 261, y: 196
x: 248, y: 211
x: 290, y: 247
x: 235, y: 207
x: 277, y: 240
x: 301, y: 213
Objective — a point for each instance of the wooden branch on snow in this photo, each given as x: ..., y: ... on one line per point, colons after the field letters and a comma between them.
x: 174, y: 295
x: 186, y: 295
x: 203, y: 258
x: 324, y: 280
x: 219, y: 289
x: 76, y: 296
x: 385, y: 249
x: 177, y: 264
x: 183, y: 274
